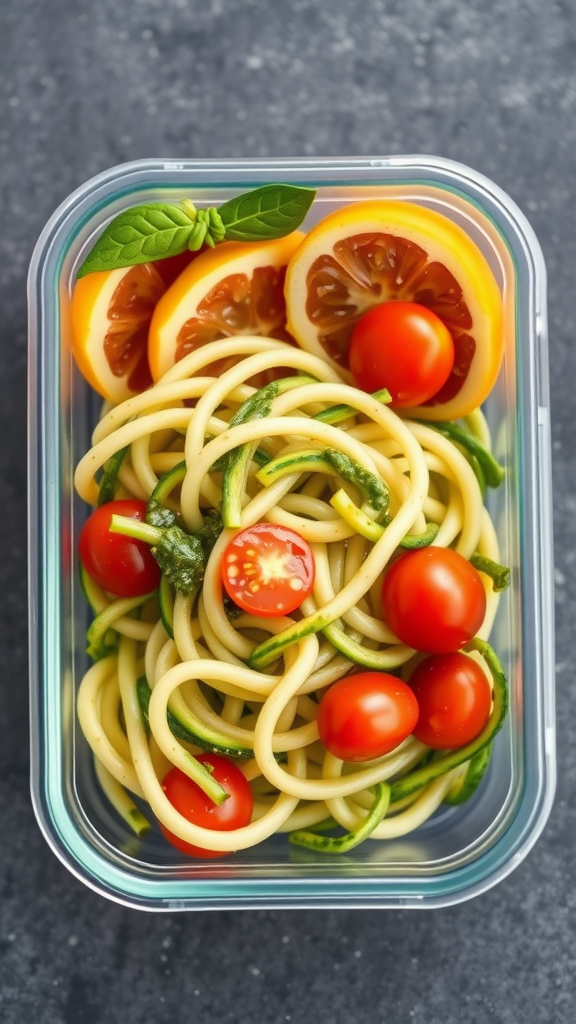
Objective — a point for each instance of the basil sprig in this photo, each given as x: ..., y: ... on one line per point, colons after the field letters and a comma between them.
x: 154, y: 231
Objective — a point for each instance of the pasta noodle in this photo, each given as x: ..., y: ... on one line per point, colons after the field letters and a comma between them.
x: 255, y: 682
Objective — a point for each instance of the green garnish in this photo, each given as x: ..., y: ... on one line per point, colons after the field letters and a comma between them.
x: 208, y: 533
x: 155, y: 231
x: 181, y: 556
x: 160, y: 516
x: 270, y: 211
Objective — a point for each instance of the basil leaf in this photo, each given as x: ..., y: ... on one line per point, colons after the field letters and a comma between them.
x: 138, y: 235
x: 268, y: 212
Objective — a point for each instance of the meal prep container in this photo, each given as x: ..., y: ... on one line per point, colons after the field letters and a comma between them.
x: 461, y: 851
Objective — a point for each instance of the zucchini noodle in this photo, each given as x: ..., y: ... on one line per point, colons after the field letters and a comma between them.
x: 252, y: 684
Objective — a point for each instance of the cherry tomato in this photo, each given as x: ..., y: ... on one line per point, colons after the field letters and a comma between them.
x: 365, y: 716
x: 454, y: 698
x: 268, y: 569
x: 433, y: 600
x: 404, y: 347
x: 193, y: 804
x: 121, y: 565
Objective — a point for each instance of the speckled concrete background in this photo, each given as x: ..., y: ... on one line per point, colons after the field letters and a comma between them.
x: 491, y: 83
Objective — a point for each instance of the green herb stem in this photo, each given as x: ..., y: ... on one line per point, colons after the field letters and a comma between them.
x: 136, y: 529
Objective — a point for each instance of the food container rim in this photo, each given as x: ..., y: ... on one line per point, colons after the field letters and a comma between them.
x: 536, y: 530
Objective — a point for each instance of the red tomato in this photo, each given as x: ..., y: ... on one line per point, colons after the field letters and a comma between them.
x: 193, y: 804
x: 433, y: 600
x: 404, y: 347
x: 454, y: 698
x: 121, y: 565
x: 365, y: 716
x: 268, y: 569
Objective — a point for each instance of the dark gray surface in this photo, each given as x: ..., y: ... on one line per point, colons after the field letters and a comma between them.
x: 83, y: 86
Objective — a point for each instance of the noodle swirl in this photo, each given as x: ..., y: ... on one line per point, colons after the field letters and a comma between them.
x: 199, y: 668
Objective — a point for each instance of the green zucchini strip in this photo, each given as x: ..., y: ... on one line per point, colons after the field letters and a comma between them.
x: 381, y: 661
x: 342, y: 844
x: 371, y: 530
x: 98, y: 643
x: 493, y: 472
x: 499, y: 574
x: 166, y: 605
x: 468, y: 784
x: 333, y: 463
x: 109, y: 478
x: 356, y: 517
x: 121, y: 801
x: 420, y: 540
x: 422, y: 776
x: 167, y: 483
x: 237, y: 461
x: 339, y: 413
x: 92, y: 592
x: 185, y: 726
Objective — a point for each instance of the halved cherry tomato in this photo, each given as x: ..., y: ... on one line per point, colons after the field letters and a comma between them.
x: 433, y: 600
x: 454, y: 698
x: 121, y: 565
x: 268, y: 569
x: 404, y: 347
x: 365, y: 716
x: 193, y: 804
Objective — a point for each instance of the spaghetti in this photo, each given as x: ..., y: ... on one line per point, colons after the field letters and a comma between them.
x: 358, y: 484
